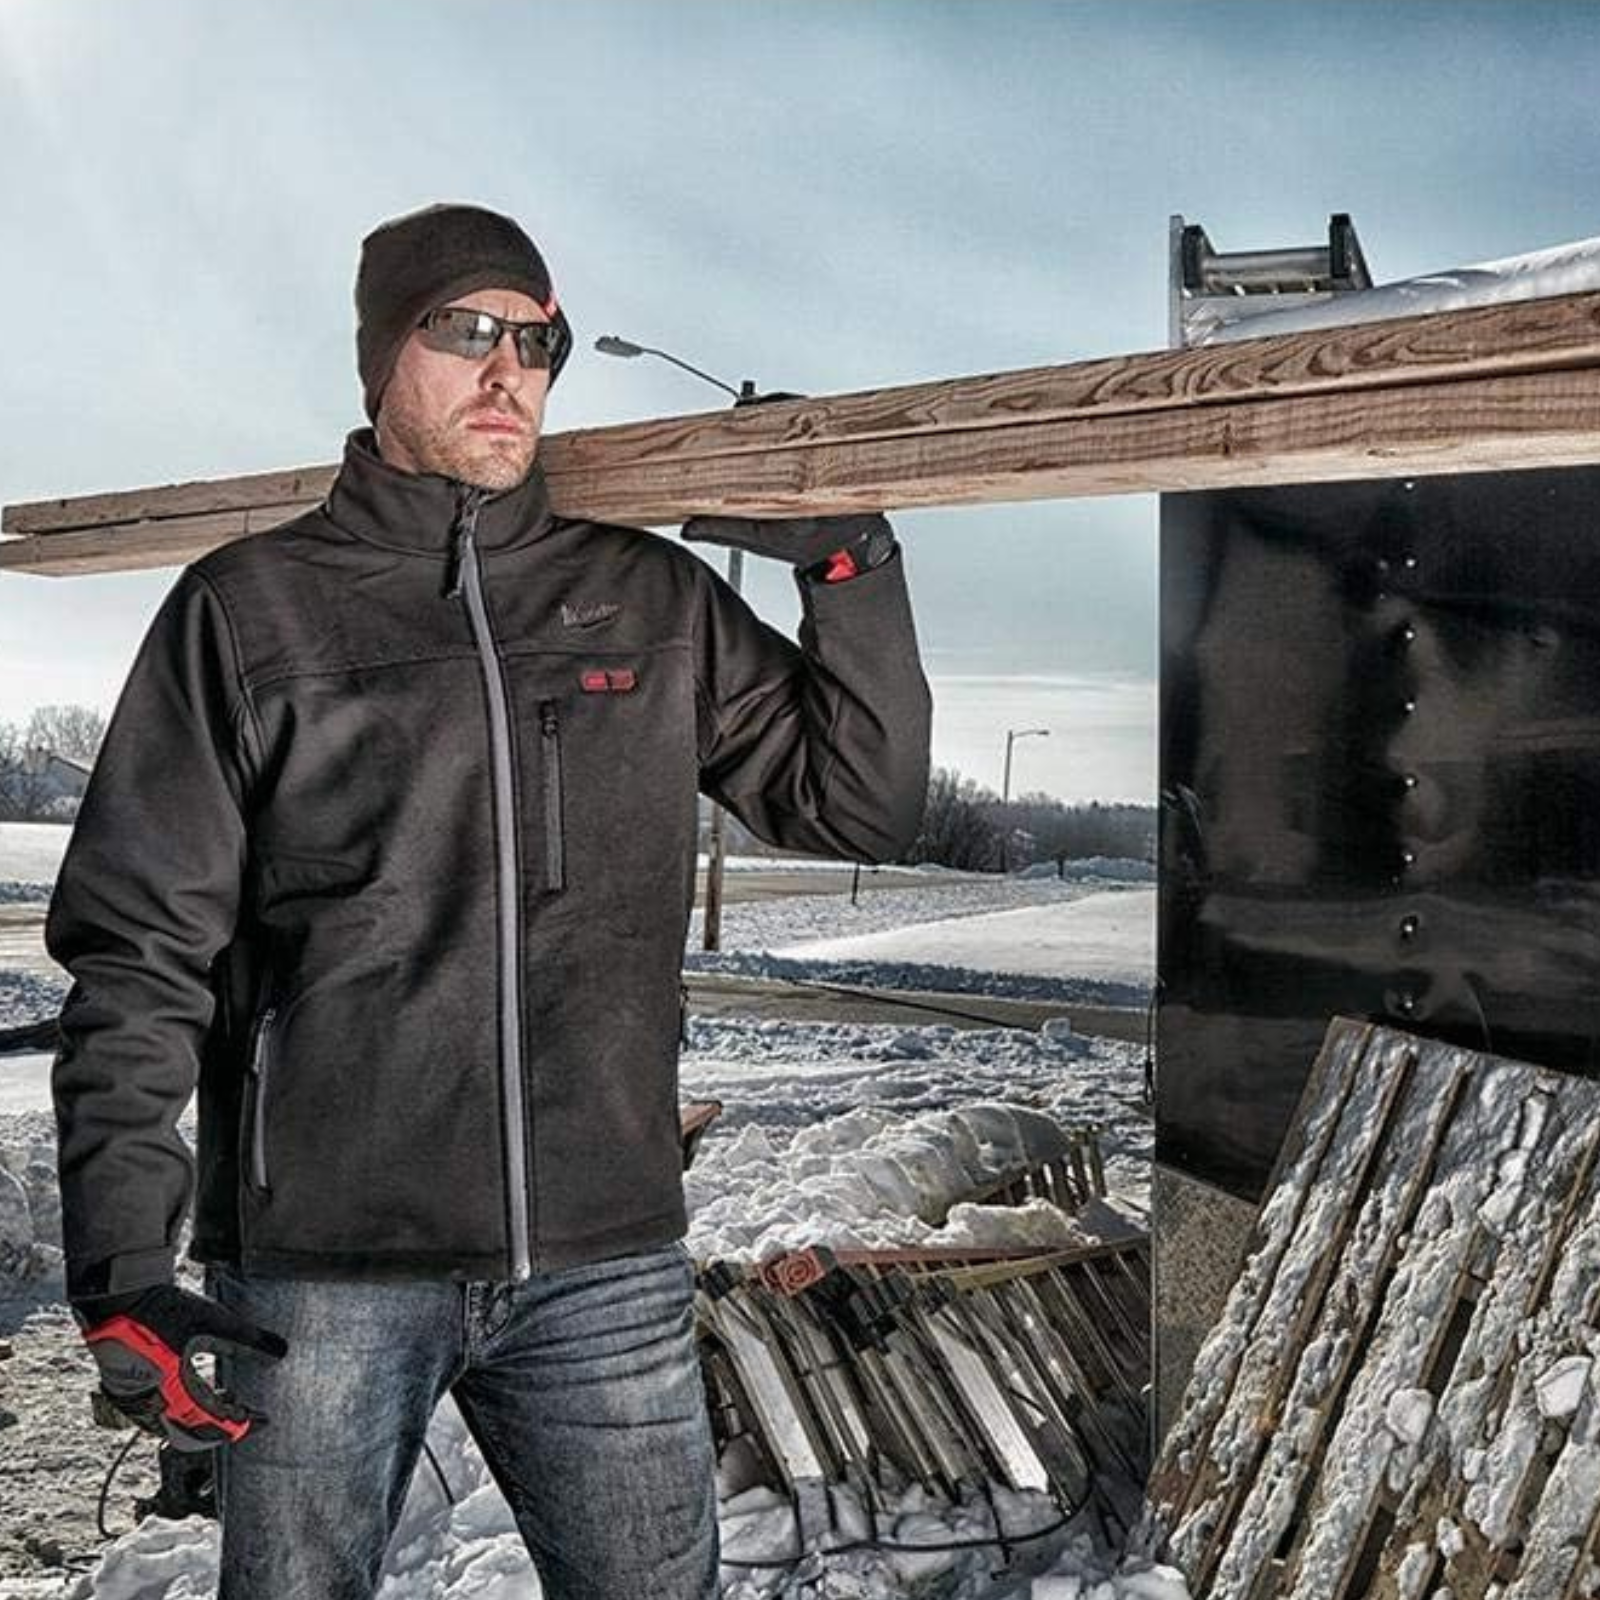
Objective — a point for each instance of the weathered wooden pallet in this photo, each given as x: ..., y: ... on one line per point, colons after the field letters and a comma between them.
x: 1399, y: 1399
x: 950, y: 1368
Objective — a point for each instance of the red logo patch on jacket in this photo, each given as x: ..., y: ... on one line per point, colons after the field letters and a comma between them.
x: 608, y: 680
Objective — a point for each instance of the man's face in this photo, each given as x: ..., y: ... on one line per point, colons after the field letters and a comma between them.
x: 476, y: 421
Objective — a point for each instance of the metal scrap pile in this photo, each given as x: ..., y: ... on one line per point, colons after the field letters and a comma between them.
x: 955, y: 1369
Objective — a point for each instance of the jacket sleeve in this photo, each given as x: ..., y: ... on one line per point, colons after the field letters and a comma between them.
x: 148, y: 893
x: 820, y: 747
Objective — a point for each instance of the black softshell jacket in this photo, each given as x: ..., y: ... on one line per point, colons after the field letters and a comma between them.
x: 390, y: 851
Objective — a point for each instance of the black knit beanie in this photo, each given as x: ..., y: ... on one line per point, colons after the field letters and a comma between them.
x: 426, y: 258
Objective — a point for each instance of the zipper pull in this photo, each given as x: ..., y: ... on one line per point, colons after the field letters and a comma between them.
x: 466, y: 524
x: 258, y: 1050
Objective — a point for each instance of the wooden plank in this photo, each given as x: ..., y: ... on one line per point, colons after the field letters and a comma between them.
x: 136, y: 546
x: 1523, y: 421
x: 1530, y: 336
x: 1488, y: 389
x: 258, y: 491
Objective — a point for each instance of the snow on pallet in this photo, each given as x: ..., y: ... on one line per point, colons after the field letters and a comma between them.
x: 1398, y: 1399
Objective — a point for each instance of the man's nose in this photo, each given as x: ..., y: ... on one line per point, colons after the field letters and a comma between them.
x: 501, y: 367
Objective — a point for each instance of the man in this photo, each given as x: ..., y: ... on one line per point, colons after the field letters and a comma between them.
x: 390, y: 853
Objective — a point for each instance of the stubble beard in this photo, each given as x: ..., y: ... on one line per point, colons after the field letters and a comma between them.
x: 486, y: 461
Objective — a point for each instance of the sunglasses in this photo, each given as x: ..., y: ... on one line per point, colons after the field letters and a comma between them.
x: 458, y: 331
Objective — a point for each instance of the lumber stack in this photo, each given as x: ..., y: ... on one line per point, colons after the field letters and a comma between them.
x: 1399, y: 1398
x: 1492, y: 388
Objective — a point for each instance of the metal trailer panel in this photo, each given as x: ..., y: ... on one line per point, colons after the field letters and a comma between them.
x: 1380, y: 787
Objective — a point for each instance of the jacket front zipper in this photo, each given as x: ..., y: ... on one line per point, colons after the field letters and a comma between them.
x: 463, y: 577
x: 258, y: 1102
x: 555, y: 863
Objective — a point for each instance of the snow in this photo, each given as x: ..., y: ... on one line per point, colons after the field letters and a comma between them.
x: 1561, y: 269
x: 835, y: 1133
x: 1106, y: 936
x: 1560, y: 1388
x: 30, y: 857
x: 1077, y: 941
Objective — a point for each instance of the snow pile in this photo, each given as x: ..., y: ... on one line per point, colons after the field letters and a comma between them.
x: 1113, y: 869
x: 1561, y: 269
x: 835, y: 1101
x: 30, y: 857
x: 871, y: 1179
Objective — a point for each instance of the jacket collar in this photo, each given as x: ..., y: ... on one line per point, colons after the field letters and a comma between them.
x: 415, y: 512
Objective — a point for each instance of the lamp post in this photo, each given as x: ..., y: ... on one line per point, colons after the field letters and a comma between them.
x: 1012, y: 735
x: 609, y: 344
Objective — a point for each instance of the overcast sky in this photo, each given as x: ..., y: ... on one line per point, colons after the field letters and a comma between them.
x: 824, y: 195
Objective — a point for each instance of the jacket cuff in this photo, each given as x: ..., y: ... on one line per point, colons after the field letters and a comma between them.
x: 121, y: 1275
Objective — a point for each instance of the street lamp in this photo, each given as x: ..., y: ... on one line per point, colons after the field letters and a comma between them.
x: 1012, y: 735
x: 609, y: 344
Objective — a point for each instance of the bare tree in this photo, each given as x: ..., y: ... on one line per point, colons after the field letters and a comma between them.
x: 71, y: 731
x: 956, y: 832
x: 24, y: 792
x: 29, y: 791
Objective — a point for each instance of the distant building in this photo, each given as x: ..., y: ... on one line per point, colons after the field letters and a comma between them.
x: 56, y: 782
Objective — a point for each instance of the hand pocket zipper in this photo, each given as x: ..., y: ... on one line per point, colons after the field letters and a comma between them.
x: 555, y: 855
x: 260, y: 1058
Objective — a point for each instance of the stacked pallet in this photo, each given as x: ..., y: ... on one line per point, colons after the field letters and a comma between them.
x: 1399, y: 1398
x: 874, y: 1369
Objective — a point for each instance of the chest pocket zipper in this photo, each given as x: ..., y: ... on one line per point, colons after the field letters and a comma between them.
x: 555, y: 853
x: 260, y: 1058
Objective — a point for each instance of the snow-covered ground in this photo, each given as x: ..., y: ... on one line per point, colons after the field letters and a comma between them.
x: 835, y: 1133
x: 30, y: 854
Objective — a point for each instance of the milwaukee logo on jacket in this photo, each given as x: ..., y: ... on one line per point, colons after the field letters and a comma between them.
x: 395, y: 864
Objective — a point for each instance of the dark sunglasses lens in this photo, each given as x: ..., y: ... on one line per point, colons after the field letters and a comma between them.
x: 459, y: 333
x: 535, y: 343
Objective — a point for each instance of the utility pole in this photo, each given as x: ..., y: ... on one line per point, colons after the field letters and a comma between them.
x: 609, y: 344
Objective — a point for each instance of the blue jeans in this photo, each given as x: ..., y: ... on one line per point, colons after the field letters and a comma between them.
x: 581, y: 1387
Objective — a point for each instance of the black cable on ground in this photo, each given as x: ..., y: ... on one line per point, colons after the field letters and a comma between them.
x: 438, y: 1471
x: 105, y: 1488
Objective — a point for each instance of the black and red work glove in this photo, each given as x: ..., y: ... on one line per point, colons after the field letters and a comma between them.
x: 144, y: 1345
x: 829, y: 548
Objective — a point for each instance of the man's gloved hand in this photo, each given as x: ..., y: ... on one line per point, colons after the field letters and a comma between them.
x: 837, y: 547
x: 144, y: 1345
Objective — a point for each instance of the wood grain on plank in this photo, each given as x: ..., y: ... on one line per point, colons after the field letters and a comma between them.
x: 1492, y: 388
